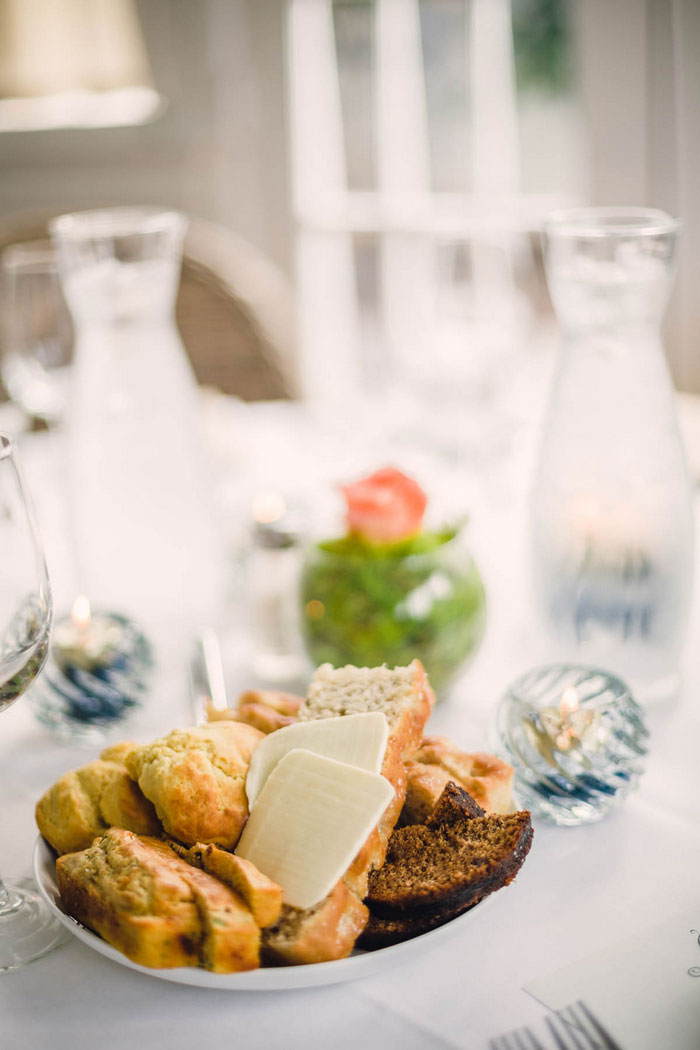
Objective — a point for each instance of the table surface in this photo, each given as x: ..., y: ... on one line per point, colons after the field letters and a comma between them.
x: 581, y: 888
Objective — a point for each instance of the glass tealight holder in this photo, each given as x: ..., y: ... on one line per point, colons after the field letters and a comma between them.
x: 576, y: 739
x: 96, y: 676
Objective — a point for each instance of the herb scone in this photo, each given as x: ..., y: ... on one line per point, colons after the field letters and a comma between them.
x: 435, y: 871
x: 330, y: 929
x: 156, y: 908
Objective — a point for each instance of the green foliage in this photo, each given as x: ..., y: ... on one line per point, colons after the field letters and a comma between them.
x: 541, y: 42
x: 388, y: 604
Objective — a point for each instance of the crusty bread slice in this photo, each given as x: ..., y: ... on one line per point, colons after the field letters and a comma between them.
x: 155, y: 908
x: 330, y: 929
x: 325, y: 932
x: 488, y: 779
x: 264, y: 709
x: 403, y: 694
x: 262, y: 895
x: 435, y: 871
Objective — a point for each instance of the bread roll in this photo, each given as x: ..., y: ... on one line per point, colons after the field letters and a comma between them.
x: 195, y: 778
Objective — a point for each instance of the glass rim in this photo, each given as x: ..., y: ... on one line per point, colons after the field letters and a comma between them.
x: 36, y: 255
x: 126, y: 221
x: 578, y: 673
x: 610, y: 221
x: 8, y: 445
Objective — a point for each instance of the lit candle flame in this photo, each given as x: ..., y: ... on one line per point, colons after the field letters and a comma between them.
x: 80, y: 613
x: 569, y: 702
x: 268, y: 507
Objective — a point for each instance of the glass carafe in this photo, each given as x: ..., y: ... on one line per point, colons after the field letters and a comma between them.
x: 612, y: 530
x: 145, y: 537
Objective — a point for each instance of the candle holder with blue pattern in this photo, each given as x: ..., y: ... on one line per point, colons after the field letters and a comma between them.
x: 576, y: 739
x: 96, y: 676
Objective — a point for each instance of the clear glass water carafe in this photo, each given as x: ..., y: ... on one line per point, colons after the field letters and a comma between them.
x: 145, y: 536
x: 612, y: 532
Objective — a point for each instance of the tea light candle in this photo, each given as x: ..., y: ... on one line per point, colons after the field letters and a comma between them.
x: 576, y: 739
x: 97, y: 673
x: 85, y: 640
x: 566, y: 727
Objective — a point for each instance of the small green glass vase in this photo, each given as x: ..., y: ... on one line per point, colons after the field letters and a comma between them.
x: 368, y: 604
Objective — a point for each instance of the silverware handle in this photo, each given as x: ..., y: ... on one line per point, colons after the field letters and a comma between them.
x: 207, y: 672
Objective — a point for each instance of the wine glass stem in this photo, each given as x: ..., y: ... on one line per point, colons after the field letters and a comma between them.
x: 8, y: 901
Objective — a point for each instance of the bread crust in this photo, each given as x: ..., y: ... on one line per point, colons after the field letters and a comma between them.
x: 487, y: 778
x: 326, y: 932
x: 262, y: 895
x: 264, y: 709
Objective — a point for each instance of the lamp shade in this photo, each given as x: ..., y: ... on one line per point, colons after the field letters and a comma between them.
x: 73, y: 63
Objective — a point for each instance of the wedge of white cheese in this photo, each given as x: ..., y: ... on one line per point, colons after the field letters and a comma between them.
x: 360, y: 740
x: 309, y: 821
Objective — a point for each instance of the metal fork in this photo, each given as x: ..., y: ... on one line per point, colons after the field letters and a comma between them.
x: 573, y: 1028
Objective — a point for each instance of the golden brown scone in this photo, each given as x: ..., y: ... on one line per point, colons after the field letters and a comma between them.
x: 488, y: 779
x: 265, y: 709
x: 325, y: 932
x: 118, y: 752
x: 86, y: 801
x: 262, y: 895
x: 195, y: 778
x: 155, y: 908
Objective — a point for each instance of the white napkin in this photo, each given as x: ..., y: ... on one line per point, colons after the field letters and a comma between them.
x: 645, y: 989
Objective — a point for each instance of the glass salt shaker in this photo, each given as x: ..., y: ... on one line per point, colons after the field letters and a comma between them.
x: 612, y: 531
x: 277, y: 655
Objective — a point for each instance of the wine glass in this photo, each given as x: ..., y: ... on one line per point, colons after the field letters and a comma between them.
x: 36, y: 329
x: 27, y: 928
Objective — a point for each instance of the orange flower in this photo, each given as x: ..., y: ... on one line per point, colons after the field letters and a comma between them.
x: 385, y: 507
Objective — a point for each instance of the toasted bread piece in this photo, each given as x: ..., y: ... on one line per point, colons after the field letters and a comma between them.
x: 86, y: 801
x: 155, y: 908
x: 265, y: 709
x: 195, y: 778
x: 262, y: 895
x: 381, y: 931
x: 402, y: 694
x: 435, y: 871
x: 488, y: 779
x: 325, y: 932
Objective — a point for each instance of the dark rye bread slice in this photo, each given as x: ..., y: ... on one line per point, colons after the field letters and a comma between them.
x: 380, y: 932
x: 436, y: 871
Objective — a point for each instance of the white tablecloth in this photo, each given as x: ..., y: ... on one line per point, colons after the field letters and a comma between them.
x: 580, y: 889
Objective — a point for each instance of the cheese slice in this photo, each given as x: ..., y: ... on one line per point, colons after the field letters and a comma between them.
x: 360, y: 740
x: 309, y: 821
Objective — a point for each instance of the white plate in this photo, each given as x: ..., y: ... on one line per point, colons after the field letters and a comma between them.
x: 360, y: 964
